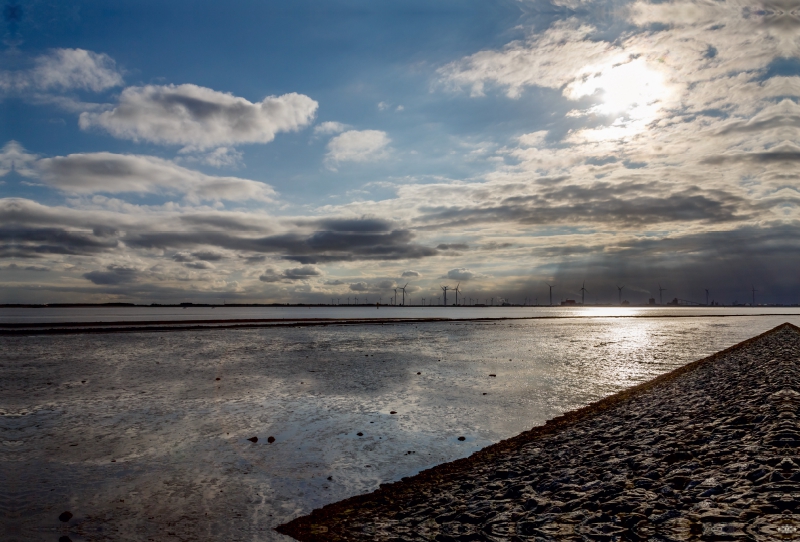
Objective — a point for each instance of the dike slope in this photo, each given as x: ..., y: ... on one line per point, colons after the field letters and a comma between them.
x: 708, y: 451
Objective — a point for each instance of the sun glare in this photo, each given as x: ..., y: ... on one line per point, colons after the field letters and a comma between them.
x: 633, y: 89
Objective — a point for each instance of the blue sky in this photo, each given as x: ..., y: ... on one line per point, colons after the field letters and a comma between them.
x: 265, y: 152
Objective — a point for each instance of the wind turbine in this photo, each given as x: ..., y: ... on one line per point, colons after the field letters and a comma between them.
x: 404, y: 293
x: 620, y: 293
x: 444, y: 289
x: 395, y: 296
x: 660, y: 298
x: 754, y: 296
x: 583, y: 291
x: 456, y: 290
x: 551, y: 286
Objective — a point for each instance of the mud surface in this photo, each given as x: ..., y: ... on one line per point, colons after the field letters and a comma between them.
x: 133, y: 434
x: 709, y: 452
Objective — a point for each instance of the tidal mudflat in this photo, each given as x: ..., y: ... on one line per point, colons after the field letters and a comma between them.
x: 141, y: 435
x: 708, y: 450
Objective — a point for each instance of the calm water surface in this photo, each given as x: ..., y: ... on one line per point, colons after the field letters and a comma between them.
x: 134, y: 434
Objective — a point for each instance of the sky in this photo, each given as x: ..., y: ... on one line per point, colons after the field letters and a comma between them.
x: 303, y: 152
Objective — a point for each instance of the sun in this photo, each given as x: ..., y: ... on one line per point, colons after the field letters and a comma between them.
x: 631, y: 89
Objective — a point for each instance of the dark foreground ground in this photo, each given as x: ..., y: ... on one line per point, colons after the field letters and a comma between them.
x: 707, y: 452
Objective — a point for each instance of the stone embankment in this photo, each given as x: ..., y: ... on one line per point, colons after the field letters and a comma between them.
x: 707, y: 452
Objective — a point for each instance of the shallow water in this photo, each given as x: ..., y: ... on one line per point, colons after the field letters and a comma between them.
x: 134, y: 435
x: 133, y: 314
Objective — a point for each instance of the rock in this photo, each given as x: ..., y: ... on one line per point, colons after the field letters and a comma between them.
x: 65, y: 516
x: 493, y: 375
x: 462, y: 438
x: 270, y: 439
x: 330, y: 478
x: 360, y: 434
x: 64, y: 538
x: 253, y: 439
x: 216, y: 378
x: 419, y: 373
x: 393, y: 412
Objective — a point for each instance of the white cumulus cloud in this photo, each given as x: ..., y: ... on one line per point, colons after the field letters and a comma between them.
x: 330, y: 128
x: 14, y: 157
x: 357, y: 146
x: 199, y: 117
x: 64, y: 69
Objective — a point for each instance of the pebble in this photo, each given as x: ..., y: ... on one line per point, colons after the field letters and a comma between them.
x: 270, y: 439
x: 65, y: 516
x: 253, y: 439
x: 710, y: 453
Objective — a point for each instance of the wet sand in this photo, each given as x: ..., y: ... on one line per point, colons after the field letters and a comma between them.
x: 706, y: 451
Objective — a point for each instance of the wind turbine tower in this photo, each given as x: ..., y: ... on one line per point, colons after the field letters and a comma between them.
x: 444, y: 289
x: 551, y: 286
x: 620, y: 293
x: 660, y: 291
x: 583, y: 292
x: 456, y: 290
x: 395, y: 296
x: 404, y: 294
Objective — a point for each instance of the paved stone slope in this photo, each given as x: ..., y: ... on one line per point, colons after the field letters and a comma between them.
x: 708, y: 452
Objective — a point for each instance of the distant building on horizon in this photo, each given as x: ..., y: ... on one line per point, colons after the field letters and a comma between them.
x: 569, y: 302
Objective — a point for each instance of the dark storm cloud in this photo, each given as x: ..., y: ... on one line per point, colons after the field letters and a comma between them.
x: 318, y: 247
x: 754, y: 157
x: 617, y: 205
x: 355, y: 225
x: 292, y: 274
x: 114, y: 274
x: 34, y: 242
x: 452, y: 246
x: 15, y: 267
x: 223, y: 222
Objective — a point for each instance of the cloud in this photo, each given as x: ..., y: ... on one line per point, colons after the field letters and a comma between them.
x: 109, y: 173
x: 13, y: 157
x: 330, y: 128
x: 411, y: 274
x: 114, y: 274
x: 36, y: 268
x: 462, y: 273
x: 299, y: 273
x: 199, y: 117
x: 219, y: 157
x: 357, y: 146
x: 199, y: 265
x: 292, y: 274
x: 359, y: 287
x: 64, y: 69
x: 452, y: 246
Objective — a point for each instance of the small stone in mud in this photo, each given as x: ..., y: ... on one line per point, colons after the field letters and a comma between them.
x: 253, y: 439
x: 330, y: 477
x: 65, y: 516
x: 64, y: 538
x: 492, y: 375
x: 393, y: 412
x: 271, y: 439
x: 360, y: 434
x: 484, y: 393
x: 462, y: 438
x: 217, y: 378
x: 419, y: 373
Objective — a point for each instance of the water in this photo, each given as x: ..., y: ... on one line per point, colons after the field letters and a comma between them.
x: 133, y: 314
x: 135, y: 436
